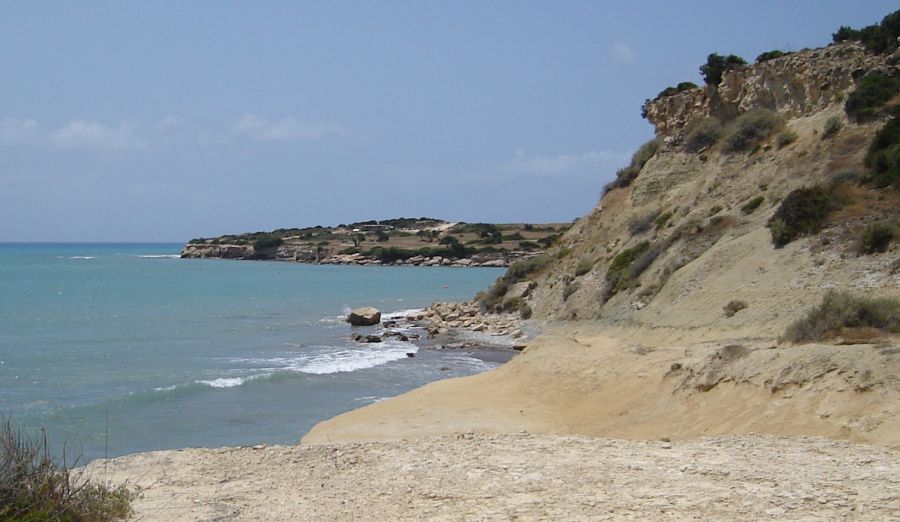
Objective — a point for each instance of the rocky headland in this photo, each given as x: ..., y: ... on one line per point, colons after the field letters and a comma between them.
x: 394, y: 242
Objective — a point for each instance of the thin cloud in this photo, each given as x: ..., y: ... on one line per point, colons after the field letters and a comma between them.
x: 16, y: 131
x: 564, y: 163
x: 91, y: 135
x: 287, y: 129
x: 170, y: 123
x: 623, y: 53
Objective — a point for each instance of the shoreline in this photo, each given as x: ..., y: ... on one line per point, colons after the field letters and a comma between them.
x: 508, y: 440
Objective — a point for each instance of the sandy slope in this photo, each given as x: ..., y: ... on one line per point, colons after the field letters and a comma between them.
x: 520, y: 477
x: 652, y: 383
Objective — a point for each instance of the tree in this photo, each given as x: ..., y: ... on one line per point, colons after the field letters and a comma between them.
x: 716, y: 65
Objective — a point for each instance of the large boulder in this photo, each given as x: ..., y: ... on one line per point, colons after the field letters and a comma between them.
x: 366, y: 316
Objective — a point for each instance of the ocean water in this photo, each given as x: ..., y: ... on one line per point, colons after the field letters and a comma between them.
x: 119, y: 348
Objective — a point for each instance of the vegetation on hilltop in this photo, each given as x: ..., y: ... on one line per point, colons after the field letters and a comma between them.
x: 771, y: 55
x: 877, y: 38
x: 716, y: 65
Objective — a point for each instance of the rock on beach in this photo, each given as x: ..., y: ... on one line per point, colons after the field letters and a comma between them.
x: 366, y: 316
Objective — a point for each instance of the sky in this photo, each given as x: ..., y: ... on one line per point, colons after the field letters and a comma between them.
x: 166, y: 121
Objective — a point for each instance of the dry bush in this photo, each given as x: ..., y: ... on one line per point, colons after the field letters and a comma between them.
x: 702, y: 133
x: 734, y: 306
x: 844, y: 310
x: 35, y: 487
x: 751, y: 129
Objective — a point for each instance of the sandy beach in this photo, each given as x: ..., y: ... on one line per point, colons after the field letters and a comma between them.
x: 520, y: 477
x: 581, y: 426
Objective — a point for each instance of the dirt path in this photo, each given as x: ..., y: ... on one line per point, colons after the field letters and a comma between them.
x: 520, y: 477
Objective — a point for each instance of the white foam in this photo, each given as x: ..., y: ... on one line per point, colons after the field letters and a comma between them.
x: 224, y: 382
x: 81, y: 257
x: 403, y: 314
x: 351, y: 360
x: 160, y: 256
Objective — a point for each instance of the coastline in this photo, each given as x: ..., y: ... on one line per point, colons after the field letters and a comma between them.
x: 588, y: 422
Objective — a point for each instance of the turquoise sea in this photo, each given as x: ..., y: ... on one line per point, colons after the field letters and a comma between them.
x: 120, y: 348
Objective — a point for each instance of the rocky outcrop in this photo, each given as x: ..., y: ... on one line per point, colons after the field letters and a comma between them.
x: 797, y: 84
x: 206, y: 250
x: 445, y: 318
x: 366, y: 316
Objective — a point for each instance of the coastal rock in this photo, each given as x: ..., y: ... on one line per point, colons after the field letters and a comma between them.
x: 367, y: 338
x: 366, y: 316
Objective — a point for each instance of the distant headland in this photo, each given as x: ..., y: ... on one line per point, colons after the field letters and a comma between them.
x: 401, y: 241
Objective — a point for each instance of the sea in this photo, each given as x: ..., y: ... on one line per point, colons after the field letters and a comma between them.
x: 113, y: 349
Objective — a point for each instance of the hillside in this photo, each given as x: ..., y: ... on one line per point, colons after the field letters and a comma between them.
x: 684, y: 230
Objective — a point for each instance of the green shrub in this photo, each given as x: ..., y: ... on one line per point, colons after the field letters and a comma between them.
x: 644, y: 153
x: 528, y: 245
x: 512, y: 304
x: 491, y: 299
x: 643, y: 262
x: 642, y: 222
x: 785, y: 138
x: 715, y: 209
x: 802, y: 212
x: 770, y: 55
x: 716, y: 65
x: 617, y: 275
x: 570, y: 289
x: 876, y: 238
x: 626, y: 175
x: 866, y: 102
x: 844, y: 310
x: 584, y: 266
x: 35, y: 487
x: 880, y: 38
x: 752, y: 205
x: 662, y: 219
x: 681, y: 87
x: 833, y: 125
x: 267, y: 242
x: 702, y: 133
x: 883, y: 157
x: 750, y: 129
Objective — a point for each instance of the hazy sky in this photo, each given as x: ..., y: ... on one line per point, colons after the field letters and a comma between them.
x: 164, y: 121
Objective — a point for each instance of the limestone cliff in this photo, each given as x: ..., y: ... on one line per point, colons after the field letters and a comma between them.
x: 796, y: 85
x: 689, y: 234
